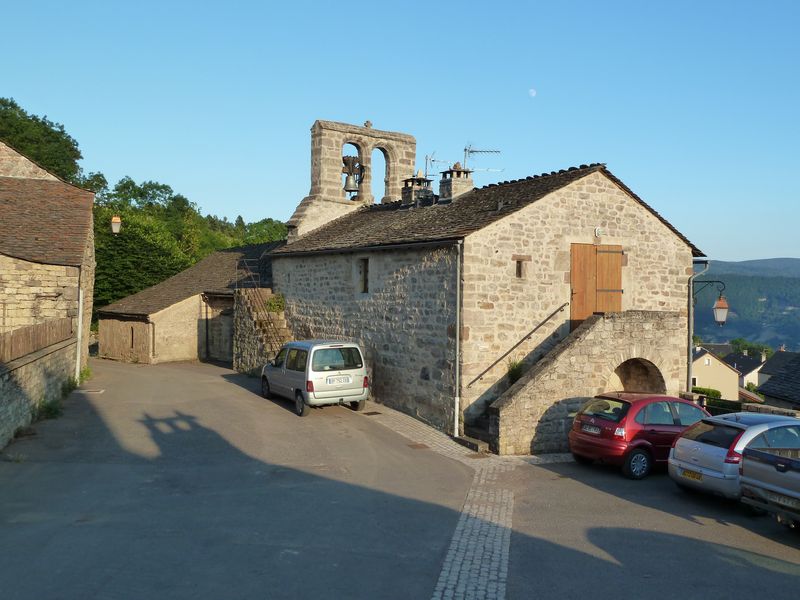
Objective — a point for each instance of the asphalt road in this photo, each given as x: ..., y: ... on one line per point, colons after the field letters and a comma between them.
x: 179, y: 481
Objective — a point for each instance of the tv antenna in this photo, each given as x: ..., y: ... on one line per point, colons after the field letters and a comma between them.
x: 431, y: 162
x: 469, y: 151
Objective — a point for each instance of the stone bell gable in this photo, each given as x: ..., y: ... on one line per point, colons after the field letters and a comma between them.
x: 327, y: 199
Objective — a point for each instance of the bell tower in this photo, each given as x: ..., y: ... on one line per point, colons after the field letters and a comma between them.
x: 327, y: 199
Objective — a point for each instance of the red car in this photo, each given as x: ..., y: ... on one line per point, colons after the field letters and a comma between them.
x: 632, y: 430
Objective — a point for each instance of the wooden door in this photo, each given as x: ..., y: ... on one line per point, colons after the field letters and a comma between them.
x: 596, y: 281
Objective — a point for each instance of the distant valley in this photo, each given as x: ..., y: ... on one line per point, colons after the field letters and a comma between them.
x: 764, y: 298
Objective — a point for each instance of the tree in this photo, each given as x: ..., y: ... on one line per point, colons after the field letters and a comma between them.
x: 741, y: 345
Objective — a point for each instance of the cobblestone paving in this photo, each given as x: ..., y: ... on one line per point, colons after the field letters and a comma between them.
x: 476, y: 564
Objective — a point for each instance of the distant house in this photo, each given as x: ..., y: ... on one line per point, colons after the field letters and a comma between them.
x: 46, y: 286
x: 186, y: 317
x: 708, y: 371
x: 783, y: 388
x: 747, y: 365
x: 774, y: 364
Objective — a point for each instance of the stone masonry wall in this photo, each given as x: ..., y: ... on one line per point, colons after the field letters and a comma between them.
x: 31, y: 293
x: 327, y: 199
x: 499, y: 308
x: 31, y: 380
x: 257, y: 333
x: 534, y: 415
x: 177, y: 330
x: 13, y: 164
x: 405, y: 323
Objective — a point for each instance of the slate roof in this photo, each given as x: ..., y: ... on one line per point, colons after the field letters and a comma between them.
x: 392, y: 224
x: 777, y: 361
x: 785, y: 384
x: 719, y: 350
x: 743, y: 363
x: 216, y: 273
x: 44, y: 221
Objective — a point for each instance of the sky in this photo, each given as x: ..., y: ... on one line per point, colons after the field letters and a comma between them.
x: 694, y: 105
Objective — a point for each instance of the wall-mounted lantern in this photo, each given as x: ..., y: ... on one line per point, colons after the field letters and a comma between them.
x: 116, y: 224
x: 720, y: 310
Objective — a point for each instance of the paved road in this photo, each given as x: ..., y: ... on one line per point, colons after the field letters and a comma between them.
x: 178, y: 481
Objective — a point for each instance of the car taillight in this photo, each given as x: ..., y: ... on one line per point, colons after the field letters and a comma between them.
x: 310, y: 386
x: 675, y: 441
x: 366, y: 382
x: 619, y: 432
x: 733, y: 457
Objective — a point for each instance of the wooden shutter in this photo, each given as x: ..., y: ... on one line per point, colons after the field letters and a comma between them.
x: 596, y: 281
x: 609, y: 279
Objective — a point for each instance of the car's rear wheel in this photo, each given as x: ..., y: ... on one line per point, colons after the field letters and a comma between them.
x: 265, y: 391
x: 637, y: 464
x: 582, y: 460
x: 358, y: 405
x: 300, y: 406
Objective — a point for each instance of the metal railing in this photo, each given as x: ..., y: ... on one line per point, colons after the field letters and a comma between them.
x: 519, y: 343
x: 249, y: 278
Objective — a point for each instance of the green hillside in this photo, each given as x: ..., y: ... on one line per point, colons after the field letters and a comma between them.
x: 764, y: 298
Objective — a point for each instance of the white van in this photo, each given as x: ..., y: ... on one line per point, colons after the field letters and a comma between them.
x: 316, y: 373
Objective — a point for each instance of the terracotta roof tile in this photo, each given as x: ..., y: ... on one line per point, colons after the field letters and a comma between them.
x: 45, y: 221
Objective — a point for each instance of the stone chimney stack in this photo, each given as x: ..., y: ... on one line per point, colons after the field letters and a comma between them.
x: 416, y: 191
x: 455, y: 182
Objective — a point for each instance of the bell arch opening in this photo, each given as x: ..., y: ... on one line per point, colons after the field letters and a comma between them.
x: 352, y: 170
x: 380, y: 173
x: 637, y: 375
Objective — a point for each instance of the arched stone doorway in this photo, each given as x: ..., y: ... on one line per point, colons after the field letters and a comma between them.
x: 637, y: 375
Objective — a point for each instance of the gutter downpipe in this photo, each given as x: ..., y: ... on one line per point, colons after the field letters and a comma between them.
x: 691, y: 323
x: 80, y: 329
x: 457, y: 399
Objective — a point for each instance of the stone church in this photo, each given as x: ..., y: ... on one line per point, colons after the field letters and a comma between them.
x: 569, y: 276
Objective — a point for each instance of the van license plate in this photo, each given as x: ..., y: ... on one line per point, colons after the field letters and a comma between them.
x: 338, y: 379
x: 782, y: 500
x: 591, y: 429
x: 692, y: 475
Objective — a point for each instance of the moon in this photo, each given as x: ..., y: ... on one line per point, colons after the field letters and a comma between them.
x: 532, y: 92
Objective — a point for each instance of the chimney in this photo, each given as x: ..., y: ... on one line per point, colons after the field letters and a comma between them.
x: 744, y: 352
x: 417, y: 191
x: 763, y: 357
x: 455, y: 182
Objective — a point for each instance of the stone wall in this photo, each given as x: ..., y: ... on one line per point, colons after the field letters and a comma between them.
x: 31, y: 293
x: 14, y: 164
x: 500, y: 308
x: 612, y: 352
x: 257, y: 333
x: 327, y: 199
x: 405, y: 322
x: 31, y: 380
x: 177, y: 330
x: 127, y: 340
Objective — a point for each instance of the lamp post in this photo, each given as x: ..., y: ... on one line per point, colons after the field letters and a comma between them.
x: 720, y: 309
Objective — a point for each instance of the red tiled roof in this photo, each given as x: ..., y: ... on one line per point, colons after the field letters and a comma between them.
x: 44, y: 221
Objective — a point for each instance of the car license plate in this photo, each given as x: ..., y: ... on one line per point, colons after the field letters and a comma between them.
x: 591, y: 429
x: 692, y: 475
x: 783, y: 500
x: 338, y: 379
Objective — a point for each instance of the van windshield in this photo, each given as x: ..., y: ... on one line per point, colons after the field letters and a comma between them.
x: 336, y: 359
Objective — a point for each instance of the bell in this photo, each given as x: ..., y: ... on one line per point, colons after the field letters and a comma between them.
x: 350, y: 184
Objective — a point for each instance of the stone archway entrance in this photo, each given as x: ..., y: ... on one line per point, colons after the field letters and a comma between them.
x: 637, y: 375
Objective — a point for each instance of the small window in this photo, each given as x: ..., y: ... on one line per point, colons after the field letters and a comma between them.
x: 694, y: 381
x: 280, y: 357
x: 363, y: 275
x: 520, y: 269
x: 656, y: 413
x: 131, y: 338
x: 688, y: 414
x: 292, y: 358
x: 707, y: 362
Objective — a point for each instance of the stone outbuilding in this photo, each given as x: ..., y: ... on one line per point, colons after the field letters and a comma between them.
x: 186, y: 317
x: 567, y: 277
x: 46, y: 286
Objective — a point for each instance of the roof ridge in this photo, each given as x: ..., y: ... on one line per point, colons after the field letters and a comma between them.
x: 589, y: 168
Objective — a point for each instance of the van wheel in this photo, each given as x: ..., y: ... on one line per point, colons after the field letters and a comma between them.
x: 637, y: 464
x: 359, y: 405
x: 300, y: 406
x: 265, y: 391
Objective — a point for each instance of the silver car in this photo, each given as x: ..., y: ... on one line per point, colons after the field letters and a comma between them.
x: 706, y: 456
x: 316, y: 373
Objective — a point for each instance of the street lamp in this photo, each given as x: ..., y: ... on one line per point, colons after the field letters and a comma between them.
x: 720, y: 307
x: 116, y: 224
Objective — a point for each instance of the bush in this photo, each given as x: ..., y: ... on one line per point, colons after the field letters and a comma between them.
x: 707, y: 392
x: 275, y: 303
x: 50, y: 409
x: 514, y: 371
